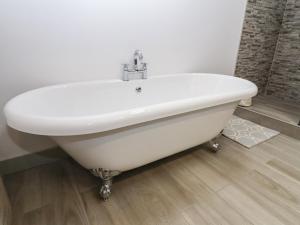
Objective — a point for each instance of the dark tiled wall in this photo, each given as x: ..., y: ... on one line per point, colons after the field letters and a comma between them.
x: 284, y: 80
x: 260, y: 33
x: 269, y: 52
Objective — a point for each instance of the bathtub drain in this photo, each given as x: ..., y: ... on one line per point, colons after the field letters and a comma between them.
x: 138, y: 89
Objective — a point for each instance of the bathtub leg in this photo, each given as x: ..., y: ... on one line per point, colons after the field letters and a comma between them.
x: 107, y: 177
x: 105, y: 189
x: 214, y: 145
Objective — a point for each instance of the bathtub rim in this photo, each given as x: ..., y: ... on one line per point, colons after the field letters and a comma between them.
x: 69, y: 126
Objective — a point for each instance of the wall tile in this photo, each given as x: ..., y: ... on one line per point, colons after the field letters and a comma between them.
x: 284, y: 80
x: 258, y: 42
x: 269, y: 53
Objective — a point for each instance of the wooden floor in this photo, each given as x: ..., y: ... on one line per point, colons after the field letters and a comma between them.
x: 235, y: 186
x: 5, y: 208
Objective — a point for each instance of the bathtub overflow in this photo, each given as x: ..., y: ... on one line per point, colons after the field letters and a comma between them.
x: 138, y: 89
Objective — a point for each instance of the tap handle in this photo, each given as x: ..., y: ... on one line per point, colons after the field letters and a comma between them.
x: 137, y: 58
x: 138, y: 54
x: 144, y: 72
x: 125, y: 72
x: 144, y: 66
x: 125, y: 67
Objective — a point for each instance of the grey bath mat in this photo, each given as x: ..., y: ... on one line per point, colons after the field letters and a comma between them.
x: 246, y: 132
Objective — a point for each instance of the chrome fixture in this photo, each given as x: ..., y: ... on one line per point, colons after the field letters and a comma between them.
x: 138, y: 89
x: 107, y: 177
x: 214, y: 144
x: 137, y: 70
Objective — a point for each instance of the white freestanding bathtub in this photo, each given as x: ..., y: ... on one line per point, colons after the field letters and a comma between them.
x: 117, y: 126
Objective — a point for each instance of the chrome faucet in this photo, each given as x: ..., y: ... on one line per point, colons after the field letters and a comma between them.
x: 138, y: 60
x: 138, y: 69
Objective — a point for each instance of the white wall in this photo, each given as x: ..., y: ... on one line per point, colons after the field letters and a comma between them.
x: 46, y: 42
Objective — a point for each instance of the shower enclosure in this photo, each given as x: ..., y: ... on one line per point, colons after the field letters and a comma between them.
x: 269, y: 56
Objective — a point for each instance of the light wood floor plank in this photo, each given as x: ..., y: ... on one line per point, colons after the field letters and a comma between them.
x: 251, y: 209
x: 41, y: 216
x: 284, y: 150
x: 5, y: 206
x: 205, y: 172
x: 208, y: 202
x: 285, y: 168
x: 277, y: 186
x: 271, y: 196
x: 235, y: 186
x: 42, y: 186
x: 84, y: 180
x: 136, y: 200
x: 149, y: 194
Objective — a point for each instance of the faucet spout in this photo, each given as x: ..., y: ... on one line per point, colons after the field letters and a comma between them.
x: 138, y: 60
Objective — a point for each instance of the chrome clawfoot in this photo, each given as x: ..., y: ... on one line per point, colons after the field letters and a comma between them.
x: 214, y: 145
x: 105, y: 189
x: 107, y: 177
